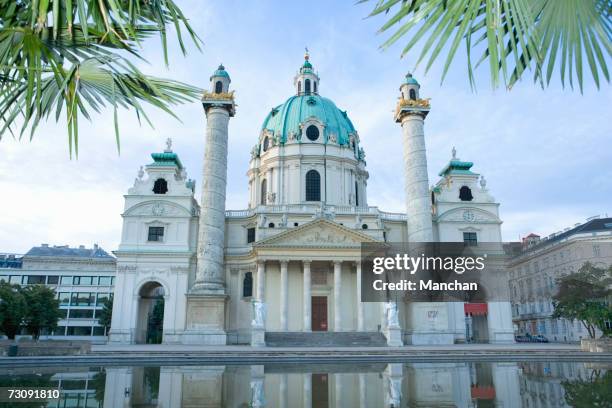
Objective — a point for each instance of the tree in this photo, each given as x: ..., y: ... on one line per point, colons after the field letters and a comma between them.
x: 595, y: 392
x: 585, y: 296
x: 514, y: 36
x: 70, y: 55
x: 105, y: 316
x: 42, y: 309
x: 12, y: 309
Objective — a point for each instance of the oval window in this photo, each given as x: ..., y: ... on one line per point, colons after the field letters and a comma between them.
x: 312, y: 132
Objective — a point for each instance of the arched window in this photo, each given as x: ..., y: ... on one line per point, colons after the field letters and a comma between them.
x: 271, y: 225
x: 247, y: 285
x: 266, y: 144
x: 356, y: 195
x: 160, y: 186
x: 314, y: 86
x: 313, y: 186
x: 218, y: 87
x: 299, y: 87
x: 465, y: 194
x: 312, y: 132
x: 413, y: 94
x: 264, y: 192
x: 364, y: 226
x: 307, y: 86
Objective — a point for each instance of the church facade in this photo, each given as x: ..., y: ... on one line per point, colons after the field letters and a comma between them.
x: 289, y: 265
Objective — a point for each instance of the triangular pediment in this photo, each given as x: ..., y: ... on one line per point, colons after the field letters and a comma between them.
x: 319, y: 233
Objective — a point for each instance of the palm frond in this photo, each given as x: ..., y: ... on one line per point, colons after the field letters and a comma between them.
x: 513, y: 36
x: 70, y: 55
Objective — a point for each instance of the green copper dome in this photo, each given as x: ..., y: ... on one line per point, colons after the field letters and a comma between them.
x: 220, y: 72
x: 286, y: 118
x: 410, y: 79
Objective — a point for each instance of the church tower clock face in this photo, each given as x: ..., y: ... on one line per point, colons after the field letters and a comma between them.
x: 468, y: 216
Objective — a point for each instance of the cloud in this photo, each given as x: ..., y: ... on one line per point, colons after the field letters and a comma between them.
x: 545, y: 153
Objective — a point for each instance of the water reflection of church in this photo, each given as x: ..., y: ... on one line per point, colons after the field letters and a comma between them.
x: 365, y: 385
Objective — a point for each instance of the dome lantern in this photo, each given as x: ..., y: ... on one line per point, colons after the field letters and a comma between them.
x: 306, y: 81
x: 410, y: 88
x: 220, y: 80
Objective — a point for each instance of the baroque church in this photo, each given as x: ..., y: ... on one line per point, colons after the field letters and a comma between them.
x: 287, y: 269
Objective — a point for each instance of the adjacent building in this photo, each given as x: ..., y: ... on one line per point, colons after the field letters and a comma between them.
x: 533, y: 275
x: 82, y: 278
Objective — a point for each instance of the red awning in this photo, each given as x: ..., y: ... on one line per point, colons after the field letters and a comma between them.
x: 475, y: 308
x: 483, y: 392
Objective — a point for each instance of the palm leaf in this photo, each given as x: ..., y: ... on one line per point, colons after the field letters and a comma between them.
x: 63, y: 55
x: 513, y: 36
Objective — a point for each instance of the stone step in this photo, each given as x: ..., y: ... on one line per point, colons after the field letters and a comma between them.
x: 325, y: 339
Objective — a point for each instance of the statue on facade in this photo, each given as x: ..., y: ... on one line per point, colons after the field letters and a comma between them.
x: 283, y: 222
x: 257, y: 393
x: 391, y: 314
x: 259, y: 313
x: 394, y: 392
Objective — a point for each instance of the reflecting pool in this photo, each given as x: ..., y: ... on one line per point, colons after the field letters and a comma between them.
x: 497, y: 384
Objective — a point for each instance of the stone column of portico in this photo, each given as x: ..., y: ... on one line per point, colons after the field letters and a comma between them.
x: 337, y: 294
x: 307, y: 379
x: 360, y: 306
x: 284, y: 283
x: 307, y: 297
x: 261, y: 281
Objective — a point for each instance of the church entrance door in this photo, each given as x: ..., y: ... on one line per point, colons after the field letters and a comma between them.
x: 319, y: 313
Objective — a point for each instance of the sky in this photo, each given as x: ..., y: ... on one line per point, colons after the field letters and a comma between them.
x: 546, y: 154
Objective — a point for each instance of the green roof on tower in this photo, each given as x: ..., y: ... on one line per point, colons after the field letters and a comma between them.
x: 410, y: 80
x: 220, y: 71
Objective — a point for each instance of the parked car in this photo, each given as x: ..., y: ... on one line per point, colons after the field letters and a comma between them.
x: 521, y: 339
x: 540, y: 339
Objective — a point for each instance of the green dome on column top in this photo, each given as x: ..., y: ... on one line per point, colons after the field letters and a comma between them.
x: 287, y: 117
x: 410, y: 79
x: 220, y: 72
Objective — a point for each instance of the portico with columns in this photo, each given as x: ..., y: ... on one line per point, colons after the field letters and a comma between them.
x: 309, y: 278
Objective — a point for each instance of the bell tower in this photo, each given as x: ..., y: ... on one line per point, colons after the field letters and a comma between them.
x: 306, y: 81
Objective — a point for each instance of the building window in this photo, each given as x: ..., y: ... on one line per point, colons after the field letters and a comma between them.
x: 52, y: 280
x: 83, y: 280
x: 295, y: 224
x: 64, y: 298
x: 413, y: 94
x: 218, y: 87
x: 160, y: 186
x: 266, y: 143
x: 314, y: 85
x: 247, y: 285
x: 81, y: 314
x: 79, y: 331
x: 465, y: 194
x: 271, y: 225
x: 307, y: 86
x: 313, y: 186
x: 364, y: 226
x: 264, y: 192
x: 36, y: 279
x: 98, y: 331
x: 470, y: 239
x: 356, y: 195
x: 106, y: 280
x: 312, y: 133
x: 83, y: 299
x: 250, y: 235
x: 156, y: 234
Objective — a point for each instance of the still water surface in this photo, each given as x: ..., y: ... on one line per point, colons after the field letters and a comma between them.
x: 514, y: 384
